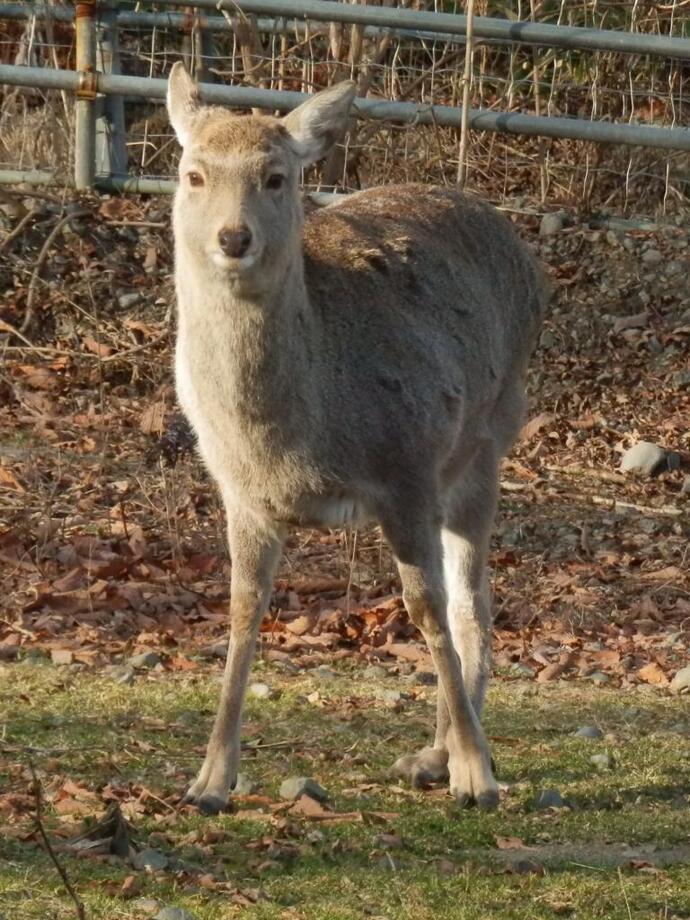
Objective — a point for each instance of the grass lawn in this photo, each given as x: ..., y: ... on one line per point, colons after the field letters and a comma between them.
x: 621, y: 850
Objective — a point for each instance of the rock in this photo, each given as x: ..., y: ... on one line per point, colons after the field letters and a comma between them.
x: 149, y: 859
x: 325, y: 673
x: 652, y: 257
x: 645, y: 458
x: 374, y: 672
x: 389, y: 841
x: 426, y: 678
x: 146, y: 905
x: 598, y: 677
x: 681, y: 379
x: 295, y: 786
x: 144, y: 660
x: 524, y: 866
x: 681, y: 680
x: 125, y: 301
x: 602, y: 761
x: 124, y: 676
x: 589, y: 731
x: 174, y: 913
x: 217, y: 650
x: 685, y: 488
x: 244, y: 785
x: 260, y: 691
x: 523, y: 670
x: 547, y: 339
x: 393, y: 697
x: 551, y: 224
x: 549, y: 798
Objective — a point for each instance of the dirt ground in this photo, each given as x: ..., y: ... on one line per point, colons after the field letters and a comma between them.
x: 112, y: 537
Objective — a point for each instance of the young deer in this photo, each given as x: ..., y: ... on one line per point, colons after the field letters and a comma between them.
x: 363, y: 365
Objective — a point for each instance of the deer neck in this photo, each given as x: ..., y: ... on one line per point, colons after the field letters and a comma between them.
x: 254, y: 348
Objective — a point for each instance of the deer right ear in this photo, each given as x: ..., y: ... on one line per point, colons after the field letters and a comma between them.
x: 184, y: 101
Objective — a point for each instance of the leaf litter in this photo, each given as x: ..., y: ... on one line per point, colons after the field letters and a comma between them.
x: 112, y: 542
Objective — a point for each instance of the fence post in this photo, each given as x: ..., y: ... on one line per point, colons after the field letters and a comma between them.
x: 111, y: 147
x: 84, y: 113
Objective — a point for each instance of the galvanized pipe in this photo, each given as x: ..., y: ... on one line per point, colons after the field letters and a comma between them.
x: 406, y: 112
x: 84, y: 113
x: 111, y: 136
x: 528, y: 33
x: 400, y: 22
x: 140, y: 19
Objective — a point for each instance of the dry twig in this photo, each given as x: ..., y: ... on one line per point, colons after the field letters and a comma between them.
x: 79, y: 906
x: 42, y: 256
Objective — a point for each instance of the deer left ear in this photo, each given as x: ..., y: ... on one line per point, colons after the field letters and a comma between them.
x: 321, y: 121
x: 183, y: 102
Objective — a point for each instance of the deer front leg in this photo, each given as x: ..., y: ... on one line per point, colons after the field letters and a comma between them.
x: 254, y: 552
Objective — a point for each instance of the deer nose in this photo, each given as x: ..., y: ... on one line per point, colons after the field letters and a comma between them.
x: 234, y: 241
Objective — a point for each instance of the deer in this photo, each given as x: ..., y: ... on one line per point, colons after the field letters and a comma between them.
x: 363, y: 364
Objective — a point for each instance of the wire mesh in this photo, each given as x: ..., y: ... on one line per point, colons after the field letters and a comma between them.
x: 306, y: 56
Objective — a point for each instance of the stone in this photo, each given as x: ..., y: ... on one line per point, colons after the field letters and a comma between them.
x: 124, y: 676
x: 590, y: 732
x: 146, y: 905
x: 681, y: 379
x: 602, y: 761
x: 681, y: 680
x: 150, y: 859
x: 675, y: 267
x: 549, y: 798
x: 551, y: 224
x: 374, y: 672
x: 244, y: 785
x: 598, y: 677
x: 389, y: 841
x: 547, y: 339
x: 644, y: 457
x: 523, y: 670
x: 260, y: 691
x: 217, y: 650
x: 295, y: 786
x: 685, y: 488
x: 174, y: 913
x: 144, y: 660
x: 652, y: 257
x: 393, y: 697
x: 125, y: 301
x: 325, y: 673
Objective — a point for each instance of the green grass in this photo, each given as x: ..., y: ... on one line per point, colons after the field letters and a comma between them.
x: 85, y: 727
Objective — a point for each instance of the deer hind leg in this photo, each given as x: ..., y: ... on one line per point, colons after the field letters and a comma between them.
x: 417, y: 548
x: 254, y: 553
x: 465, y: 536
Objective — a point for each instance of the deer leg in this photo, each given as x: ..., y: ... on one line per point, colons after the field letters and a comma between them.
x: 465, y: 535
x: 418, y: 552
x: 254, y: 552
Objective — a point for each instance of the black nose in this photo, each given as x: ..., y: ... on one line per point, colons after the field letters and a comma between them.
x: 235, y: 241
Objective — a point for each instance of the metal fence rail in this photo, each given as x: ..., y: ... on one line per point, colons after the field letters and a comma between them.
x: 99, y: 96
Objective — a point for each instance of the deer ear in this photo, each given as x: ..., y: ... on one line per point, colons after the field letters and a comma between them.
x: 319, y: 122
x: 184, y: 101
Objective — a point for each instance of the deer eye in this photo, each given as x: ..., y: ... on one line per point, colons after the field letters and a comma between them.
x: 195, y: 179
x: 275, y: 182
